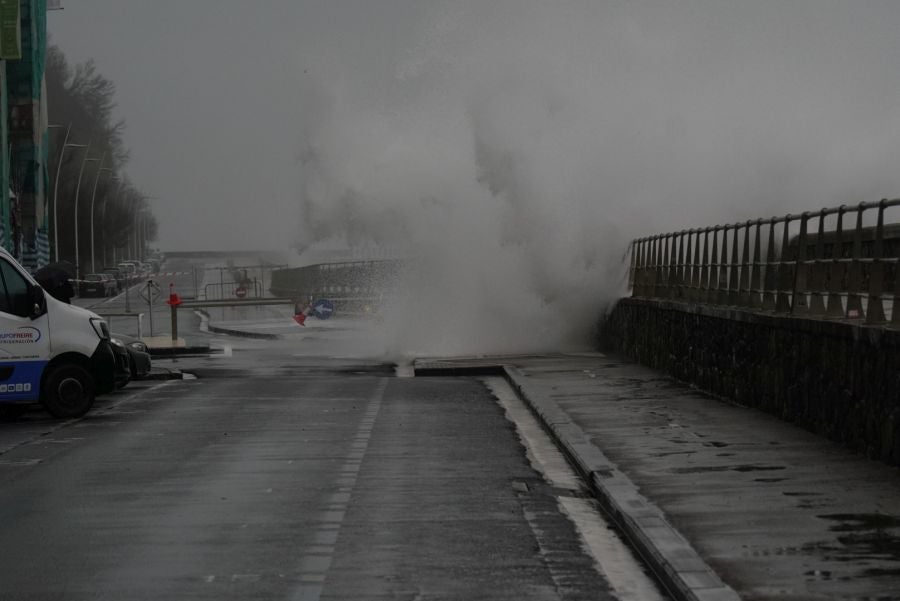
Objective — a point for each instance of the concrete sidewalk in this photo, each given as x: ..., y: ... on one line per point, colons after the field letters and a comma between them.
x: 707, y: 490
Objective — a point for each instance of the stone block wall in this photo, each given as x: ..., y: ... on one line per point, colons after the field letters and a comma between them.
x: 838, y: 379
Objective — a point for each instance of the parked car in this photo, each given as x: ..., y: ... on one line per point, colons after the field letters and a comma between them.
x: 97, y: 284
x: 123, y: 363
x: 116, y: 274
x: 139, y: 362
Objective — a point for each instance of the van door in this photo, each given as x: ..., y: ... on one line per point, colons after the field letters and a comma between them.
x: 24, y: 343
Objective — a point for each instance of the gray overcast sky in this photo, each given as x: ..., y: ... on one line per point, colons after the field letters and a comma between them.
x: 669, y: 113
x: 210, y: 94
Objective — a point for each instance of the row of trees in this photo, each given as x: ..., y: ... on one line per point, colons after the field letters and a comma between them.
x: 80, y: 106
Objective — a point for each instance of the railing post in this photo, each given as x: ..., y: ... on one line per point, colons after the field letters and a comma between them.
x: 646, y: 243
x: 785, y: 277
x: 835, y: 272
x: 681, y: 269
x: 875, y: 314
x: 669, y: 266
x: 722, y: 286
x: 816, y: 278
x: 651, y: 266
x: 769, y: 280
x: 689, y: 267
x: 712, y: 290
x: 799, y: 303
x: 734, y: 270
x: 744, y: 288
x: 632, y: 261
x: 696, y: 270
x: 755, y: 288
x: 703, y: 291
x: 895, y: 310
x: 659, y: 278
x: 854, y: 285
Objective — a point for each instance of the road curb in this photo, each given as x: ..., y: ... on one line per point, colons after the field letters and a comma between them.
x: 231, y: 331
x: 169, y: 374
x: 671, y: 557
x: 170, y: 351
x: 242, y: 333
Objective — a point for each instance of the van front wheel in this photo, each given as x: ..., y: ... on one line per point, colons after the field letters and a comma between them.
x: 68, y: 391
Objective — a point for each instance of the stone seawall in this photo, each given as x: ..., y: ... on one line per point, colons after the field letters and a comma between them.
x: 838, y: 379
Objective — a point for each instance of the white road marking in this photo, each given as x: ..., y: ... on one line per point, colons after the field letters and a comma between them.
x: 316, y: 560
x: 612, y: 557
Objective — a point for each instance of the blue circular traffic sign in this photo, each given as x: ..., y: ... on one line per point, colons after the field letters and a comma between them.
x: 323, y: 308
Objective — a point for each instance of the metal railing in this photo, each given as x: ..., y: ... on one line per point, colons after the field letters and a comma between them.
x: 809, y: 264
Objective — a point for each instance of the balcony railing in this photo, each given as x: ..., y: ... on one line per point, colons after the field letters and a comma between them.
x: 811, y: 264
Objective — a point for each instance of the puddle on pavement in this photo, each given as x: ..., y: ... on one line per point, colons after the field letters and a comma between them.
x: 703, y: 469
x: 867, y: 538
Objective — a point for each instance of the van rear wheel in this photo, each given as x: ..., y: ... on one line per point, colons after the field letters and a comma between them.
x: 68, y: 392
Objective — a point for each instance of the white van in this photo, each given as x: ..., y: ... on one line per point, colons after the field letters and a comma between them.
x: 50, y: 351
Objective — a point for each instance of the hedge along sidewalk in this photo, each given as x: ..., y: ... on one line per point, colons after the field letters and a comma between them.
x: 709, y: 490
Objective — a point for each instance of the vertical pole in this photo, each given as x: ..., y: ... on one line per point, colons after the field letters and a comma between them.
x: 785, y: 276
x: 875, y: 314
x: 817, y: 272
x: 704, y: 267
x: 174, y: 324
x: 56, y: 194
x: 150, y: 306
x: 854, y: 302
x: 77, y: 193
x: 799, y: 303
x: 713, y: 282
x: 680, y: 267
x: 769, y: 280
x: 744, y: 298
x: 689, y: 266
x: 835, y: 273
x: 734, y: 288
x: 722, y: 286
x: 641, y: 275
x: 756, y: 269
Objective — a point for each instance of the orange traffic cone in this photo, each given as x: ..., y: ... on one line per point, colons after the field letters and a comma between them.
x: 174, y: 299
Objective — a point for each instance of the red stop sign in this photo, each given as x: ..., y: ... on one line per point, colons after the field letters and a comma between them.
x: 240, y: 292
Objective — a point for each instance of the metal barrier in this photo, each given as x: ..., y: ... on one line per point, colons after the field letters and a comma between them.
x: 257, y: 302
x: 139, y: 316
x: 198, y: 304
x: 252, y: 289
x: 835, y: 272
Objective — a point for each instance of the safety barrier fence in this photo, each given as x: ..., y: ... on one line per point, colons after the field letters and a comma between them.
x: 359, y: 279
x: 816, y: 264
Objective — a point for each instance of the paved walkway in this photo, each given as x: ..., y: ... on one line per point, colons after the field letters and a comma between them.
x: 776, y: 512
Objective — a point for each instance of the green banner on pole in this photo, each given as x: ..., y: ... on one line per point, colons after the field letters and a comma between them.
x: 10, y: 30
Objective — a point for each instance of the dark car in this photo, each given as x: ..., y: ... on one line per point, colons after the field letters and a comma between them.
x: 139, y: 362
x: 116, y: 274
x: 123, y: 362
x: 97, y: 284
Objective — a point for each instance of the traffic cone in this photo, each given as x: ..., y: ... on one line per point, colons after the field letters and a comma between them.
x: 300, y: 314
x: 174, y: 300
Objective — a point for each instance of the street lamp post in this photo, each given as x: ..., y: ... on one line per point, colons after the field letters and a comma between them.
x: 62, y: 152
x: 77, y: 193
x: 105, y: 253
x: 93, y: 197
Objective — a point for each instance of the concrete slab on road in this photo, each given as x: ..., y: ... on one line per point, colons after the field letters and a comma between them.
x: 775, y: 511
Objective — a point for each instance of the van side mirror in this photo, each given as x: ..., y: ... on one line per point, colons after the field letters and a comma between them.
x: 38, y: 301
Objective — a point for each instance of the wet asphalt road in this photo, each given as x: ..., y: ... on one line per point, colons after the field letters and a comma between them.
x: 314, y: 479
